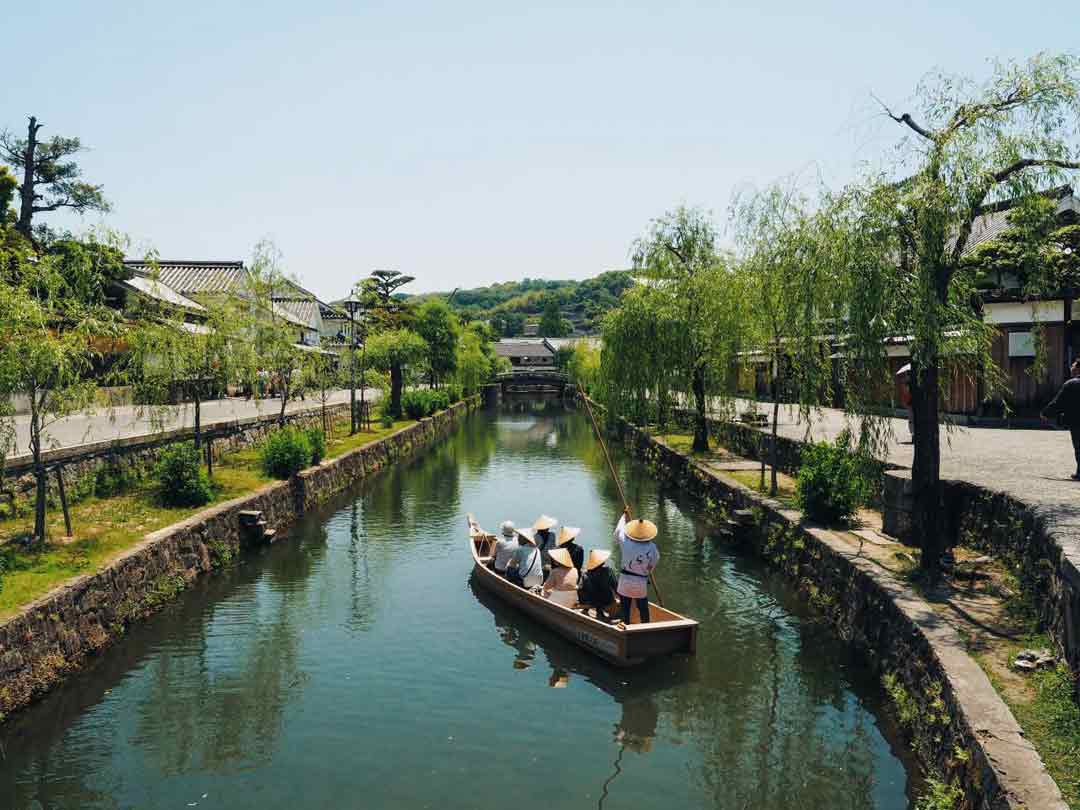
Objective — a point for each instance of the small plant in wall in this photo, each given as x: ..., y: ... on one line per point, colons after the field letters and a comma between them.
x: 939, y: 795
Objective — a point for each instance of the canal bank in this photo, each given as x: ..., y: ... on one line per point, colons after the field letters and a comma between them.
x: 54, y: 636
x: 356, y: 665
x: 962, y: 732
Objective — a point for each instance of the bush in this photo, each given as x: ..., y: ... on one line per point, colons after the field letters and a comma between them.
x: 416, y: 403
x: 181, y: 479
x: 317, y: 441
x: 113, y: 479
x: 440, y: 400
x: 453, y: 392
x: 285, y: 452
x: 386, y: 419
x: 833, y: 481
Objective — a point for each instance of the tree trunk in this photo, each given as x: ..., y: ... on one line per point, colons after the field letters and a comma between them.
x: 772, y: 448
x: 926, y: 469
x: 284, y: 400
x: 25, y: 224
x: 396, y: 380
x: 198, y: 420
x: 40, y: 480
x: 701, y: 426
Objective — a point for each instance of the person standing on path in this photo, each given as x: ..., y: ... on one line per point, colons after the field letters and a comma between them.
x: 1066, y: 404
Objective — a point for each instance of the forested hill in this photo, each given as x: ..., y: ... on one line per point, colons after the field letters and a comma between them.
x: 512, y: 304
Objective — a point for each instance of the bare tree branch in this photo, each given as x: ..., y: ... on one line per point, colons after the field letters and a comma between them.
x: 1028, y: 163
x: 907, y: 120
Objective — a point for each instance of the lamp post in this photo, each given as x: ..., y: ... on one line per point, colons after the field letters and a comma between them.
x: 352, y: 306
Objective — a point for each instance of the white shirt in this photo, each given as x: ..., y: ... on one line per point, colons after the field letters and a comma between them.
x: 504, y: 550
x: 528, y: 565
x: 638, y: 561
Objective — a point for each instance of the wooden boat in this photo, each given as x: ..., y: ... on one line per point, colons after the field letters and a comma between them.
x: 667, y: 633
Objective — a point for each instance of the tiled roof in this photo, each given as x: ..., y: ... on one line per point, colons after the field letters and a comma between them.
x: 194, y: 277
x: 155, y: 289
x: 283, y: 313
x: 996, y: 219
x: 522, y: 348
x: 304, y: 311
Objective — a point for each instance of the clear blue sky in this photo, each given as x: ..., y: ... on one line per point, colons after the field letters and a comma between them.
x: 471, y: 142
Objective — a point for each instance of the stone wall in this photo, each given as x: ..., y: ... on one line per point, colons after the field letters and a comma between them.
x: 959, y: 726
x: 55, y: 635
x: 136, y: 456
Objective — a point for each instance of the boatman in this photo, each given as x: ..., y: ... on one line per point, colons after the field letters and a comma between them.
x: 639, y: 558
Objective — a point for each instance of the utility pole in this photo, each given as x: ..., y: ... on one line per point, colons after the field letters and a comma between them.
x: 352, y: 305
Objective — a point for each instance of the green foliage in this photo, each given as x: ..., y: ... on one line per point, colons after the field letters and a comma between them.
x: 939, y: 795
x: 285, y: 452
x: 8, y: 184
x: 317, y: 441
x: 552, y: 323
x: 583, y: 365
x: 418, y: 403
x: 89, y: 268
x: 396, y: 351
x: 476, y: 360
x: 386, y: 418
x: 114, y: 479
x: 180, y: 477
x: 437, y: 324
x: 833, y: 481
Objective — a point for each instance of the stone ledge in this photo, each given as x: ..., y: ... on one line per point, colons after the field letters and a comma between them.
x: 55, y: 635
x: 900, y: 633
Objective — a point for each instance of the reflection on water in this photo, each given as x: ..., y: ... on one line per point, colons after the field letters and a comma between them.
x: 354, y: 664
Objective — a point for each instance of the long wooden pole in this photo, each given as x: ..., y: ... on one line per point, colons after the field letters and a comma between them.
x: 615, y: 476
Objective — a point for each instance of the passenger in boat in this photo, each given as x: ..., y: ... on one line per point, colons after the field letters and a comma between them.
x: 639, y: 558
x: 525, y: 567
x: 545, y: 539
x: 567, y: 535
x: 597, y: 589
x: 505, y: 547
x: 561, y: 584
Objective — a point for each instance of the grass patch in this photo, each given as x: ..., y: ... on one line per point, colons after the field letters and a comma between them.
x: 1043, y: 704
x: 785, y: 487
x: 106, y: 527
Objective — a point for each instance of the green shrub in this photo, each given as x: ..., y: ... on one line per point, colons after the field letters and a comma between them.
x: 386, y: 419
x: 181, y: 479
x: 416, y: 403
x: 453, y: 392
x: 113, y: 479
x: 285, y: 452
x: 833, y: 481
x: 440, y: 400
x: 317, y: 440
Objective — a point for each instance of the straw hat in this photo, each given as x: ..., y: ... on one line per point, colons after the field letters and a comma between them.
x: 597, y: 557
x: 562, y: 557
x: 526, y: 534
x: 544, y: 522
x: 566, y: 534
x: 508, y: 528
x: 641, y: 530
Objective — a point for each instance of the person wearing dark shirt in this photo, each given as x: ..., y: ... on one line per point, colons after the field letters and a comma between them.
x: 565, y: 539
x: 1066, y: 404
x: 597, y: 589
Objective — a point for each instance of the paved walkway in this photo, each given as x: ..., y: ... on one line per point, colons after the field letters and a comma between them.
x: 1031, y: 465
x: 126, y: 421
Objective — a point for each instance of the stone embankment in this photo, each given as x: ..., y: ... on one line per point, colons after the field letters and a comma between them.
x: 135, y: 455
x: 961, y: 730
x: 55, y: 635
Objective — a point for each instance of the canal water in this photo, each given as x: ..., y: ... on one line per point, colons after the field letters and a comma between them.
x: 355, y: 665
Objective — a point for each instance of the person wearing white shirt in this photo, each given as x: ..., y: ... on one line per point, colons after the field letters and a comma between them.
x: 505, y: 547
x: 525, y: 568
x: 639, y: 558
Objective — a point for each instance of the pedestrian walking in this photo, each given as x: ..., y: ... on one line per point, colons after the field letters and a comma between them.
x: 1065, y: 406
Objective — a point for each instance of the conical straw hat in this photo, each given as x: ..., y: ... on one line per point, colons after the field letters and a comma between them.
x: 562, y: 557
x: 544, y: 522
x: 526, y: 534
x: 597, y: 557
x: 641, y: 530
x: 566, y: 534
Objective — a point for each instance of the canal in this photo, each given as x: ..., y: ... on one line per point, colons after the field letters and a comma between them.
x: 356, y: 665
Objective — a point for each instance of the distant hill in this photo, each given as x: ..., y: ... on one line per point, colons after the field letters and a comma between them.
x: 513, y: 304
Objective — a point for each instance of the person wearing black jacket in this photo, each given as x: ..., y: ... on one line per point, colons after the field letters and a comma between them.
x: 566, y: 538
x: 597, y: 588
x: 1066, y: 404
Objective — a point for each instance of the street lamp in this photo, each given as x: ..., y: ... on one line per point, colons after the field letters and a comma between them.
x: 352, y: 306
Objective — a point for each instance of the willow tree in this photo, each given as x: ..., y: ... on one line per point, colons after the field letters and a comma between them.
x: 790, y: 299
x: 396, y: 352
x: 968, y: 146
x: 275, y: 336
x: 694, y: 290
x: 52, y: 344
